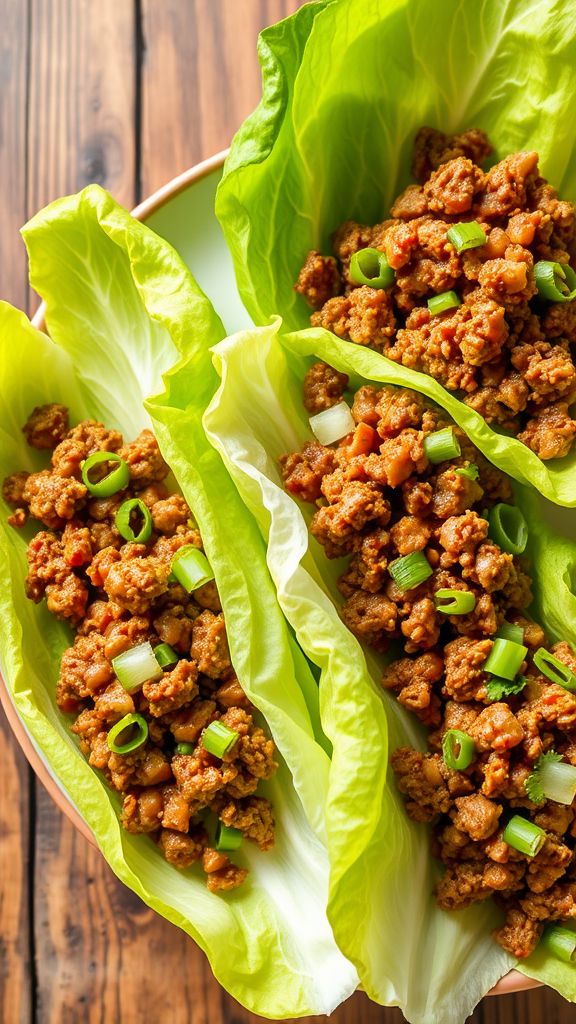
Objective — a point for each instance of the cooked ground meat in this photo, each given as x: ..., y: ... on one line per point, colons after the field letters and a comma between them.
x: 507, y: 353
x: 119, y: 595
x: 385, y: 502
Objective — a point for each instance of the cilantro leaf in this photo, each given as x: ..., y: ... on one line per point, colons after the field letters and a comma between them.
x: 533, y: 784
x: 497, y: 688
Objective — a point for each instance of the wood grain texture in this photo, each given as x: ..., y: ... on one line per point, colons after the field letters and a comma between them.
x: 127, y: 93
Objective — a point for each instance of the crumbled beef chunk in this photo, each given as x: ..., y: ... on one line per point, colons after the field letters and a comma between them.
x: 464, y: 658
x: 364, y: 316
x: 519, y: 935
x: 210, y: 646
x: 420, y: 778
x: 496, y: 728
x: 451, y: 188
x: 53, y: 499
x: 254, y: 817
x: 304, y: 471
x: 135, y: 582
x: 170, y: 513
x: 46, y: 426
x: 181, y: 850
x: 432, y: 148
x: 319, y: 279
x: 144, y: 459
x: 551, y: 432
x: 173, y: 689
x: 462, y: 885
x: 323, y: 387
x: 223, y: 875
x: 142, y: 811
x: 80, y: 442
x: 476, y: 815
x: 370, y: 617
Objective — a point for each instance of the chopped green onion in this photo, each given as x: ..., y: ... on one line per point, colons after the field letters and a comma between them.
x: 497, y: 688
x: 370, y: 266
x: 457, y: 749
x: 554, y: 669
x: 165, y: 655
x: 555, y: 281
x: 510, y: 631
x: 218, y: 739
x: 440, y: 303
x: 441, y: 445
x: 184, y: 748
x: 227, y: 838
x: 410, y: 570
x: 551, y: 779
x: 191, y: 568
x: 470, y: 472
x: 454, y: 602
x: 560, y: 942
x: 505, y: 658
x: 128, y: 511
x: 115, y: 480
x: 523, y: 835
x: 507, y: 528
x: 466, y: 236
x: 137, y: 725
x: 332, y: 424
x: 136, y: 666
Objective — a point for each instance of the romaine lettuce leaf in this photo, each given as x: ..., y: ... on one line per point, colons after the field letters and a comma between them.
x: 346, y: 84
x: 121, y: 309
x: 433, y: 964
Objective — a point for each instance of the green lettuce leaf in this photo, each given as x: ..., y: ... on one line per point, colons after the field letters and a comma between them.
x: 121, y: 309
x: 433, y: 964
x: 346, y: 84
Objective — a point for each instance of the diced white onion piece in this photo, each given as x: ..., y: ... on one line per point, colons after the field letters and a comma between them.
x: 332, y: 424
x: 558, y: 781
x: 136, y: 666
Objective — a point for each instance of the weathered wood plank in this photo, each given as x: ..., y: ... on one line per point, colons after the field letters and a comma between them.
x: 200, y: 78
x: 14, y: 59
x: 16, y: 981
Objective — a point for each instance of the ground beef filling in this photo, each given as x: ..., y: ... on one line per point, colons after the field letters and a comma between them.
x: 377, y: 498
x: 508, y: 353
x: 117, y: 595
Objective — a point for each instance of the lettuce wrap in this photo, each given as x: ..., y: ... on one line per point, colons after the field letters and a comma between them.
x: 346, y: 85
x: 434, y: 965
x: 122, y: 309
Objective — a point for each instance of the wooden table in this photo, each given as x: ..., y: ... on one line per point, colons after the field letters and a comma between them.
x: 127, y: 93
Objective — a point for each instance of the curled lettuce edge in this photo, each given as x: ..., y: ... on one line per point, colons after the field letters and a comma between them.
x: 405, y: 65
x: 432, y: 964
x: 121, y: 308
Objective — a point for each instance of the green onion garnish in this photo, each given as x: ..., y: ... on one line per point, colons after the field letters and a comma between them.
x: 497, y: 689
x: 410, y: 570
x: 441, y: 445
x: 470, y: 472
x: 165, y: 655
x: 523, y: 835
x: 115, y: 480
x: 555, y: 281
x: 554, y: 669
x: 440, y: 303
x: 227, y: 838
x: 136, y: 666
x: 510, y: 631
x: 457, y: 749
x: 454, y: 602
x: 370, y: 266
x: 466, y: 236
x: 218, y: 739
x: 184, y: 748
x: 551, y: 779
x: 131, y: 510
x: 507, y: 528
x: 135, y: 724
x: 505, y: 658
x: 191, y: 568
x: 561, y: 942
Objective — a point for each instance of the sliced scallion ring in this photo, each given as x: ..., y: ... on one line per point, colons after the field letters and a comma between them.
x: 136, y: 729
x: 191, y: 568
x: 454, y: 602
x: 370, y: 266
x: 523, y: 835
x: 505, y: 658
x: 129, y: 511
x: 510, y: 631
x: 470, y: 472
x: 560, y: 942
x: 184, y: 748
x: 440, y: 303
x: 115, y: 480
x: 136, y: 666
x: 507, y: 528
x: 332, y: 424
x: 458, y: 749
x: 558, y: 781
x: 441, y: 445
x: 228, y: 838
x: 554, y: 669
x: 555, y: 281
x: 218, y: 739
x: 468, y: 235
x: 165, y: 655
x: 410, y: 570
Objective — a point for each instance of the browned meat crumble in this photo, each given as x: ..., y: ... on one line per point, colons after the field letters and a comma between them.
x: 117, y: 595
x: 377, y: 498
x: 509, y: 355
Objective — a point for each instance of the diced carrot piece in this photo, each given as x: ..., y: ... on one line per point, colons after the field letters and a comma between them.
x: 364, y: 440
